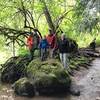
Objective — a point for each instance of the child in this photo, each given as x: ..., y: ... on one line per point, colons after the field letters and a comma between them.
x: 43, y: 47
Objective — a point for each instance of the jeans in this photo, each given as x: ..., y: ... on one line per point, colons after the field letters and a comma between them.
x: 43, y: 54
x: 64, y: 59
x: 51, y: 52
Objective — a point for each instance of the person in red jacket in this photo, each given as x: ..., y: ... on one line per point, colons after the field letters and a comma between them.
x: 51, y: 38
x: 30, y: 44
x: 33, y: 42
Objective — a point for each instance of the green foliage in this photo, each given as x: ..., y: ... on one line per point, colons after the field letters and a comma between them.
x: 87, y: 11
x: 80, y: 19
x: 22, y: 51
x: 98, y: 40
x: 76, y: 62
x: 2, y: 43
x: 11, y: 16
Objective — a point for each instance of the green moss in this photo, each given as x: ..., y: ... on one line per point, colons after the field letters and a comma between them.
x: 24, y: 87
x: 77, y: 61
x: 72, y: 66
x: 47, y: 66
x: 48, y: 75
x: 21, y: 81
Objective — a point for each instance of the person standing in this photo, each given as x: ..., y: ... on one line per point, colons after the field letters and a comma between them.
x: 37, y: 39
x: 30, y: 44
x: 93, y: 44
x: 43, y: 47
x: 51, y: 38
x: 63, y: 46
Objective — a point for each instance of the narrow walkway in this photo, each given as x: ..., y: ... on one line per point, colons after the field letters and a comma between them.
x: 90, y: 83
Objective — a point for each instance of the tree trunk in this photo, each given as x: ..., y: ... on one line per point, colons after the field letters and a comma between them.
x: 48, y: 17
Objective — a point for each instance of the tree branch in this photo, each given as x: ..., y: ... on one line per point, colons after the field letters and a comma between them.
x: 61, y: 17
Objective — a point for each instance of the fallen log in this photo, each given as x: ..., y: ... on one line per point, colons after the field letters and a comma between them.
x: 89, y: 52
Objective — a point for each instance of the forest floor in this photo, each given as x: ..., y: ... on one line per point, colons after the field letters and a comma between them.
x: 87, y: 80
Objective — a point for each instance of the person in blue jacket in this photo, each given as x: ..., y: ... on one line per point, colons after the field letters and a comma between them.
x: 43, y: 48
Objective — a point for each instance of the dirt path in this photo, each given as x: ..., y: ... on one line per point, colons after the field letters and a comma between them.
x: 90, y: 83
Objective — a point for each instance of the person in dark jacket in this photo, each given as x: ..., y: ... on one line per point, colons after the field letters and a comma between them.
x: 43, y: 47
x: 93, y: 44
x: 63, y: 46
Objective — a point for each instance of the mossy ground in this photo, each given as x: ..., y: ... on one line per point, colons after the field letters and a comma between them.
x: 77, y: 62
x: 24, y: 87
x: 48, y: 76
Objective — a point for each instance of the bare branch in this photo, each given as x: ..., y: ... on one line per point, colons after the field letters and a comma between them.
x: 38, y: 19
x: 61, y: 17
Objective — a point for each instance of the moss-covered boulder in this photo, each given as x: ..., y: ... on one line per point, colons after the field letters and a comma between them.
x: 24, y: 87
x: 13, y: 69
x: 49, y: 76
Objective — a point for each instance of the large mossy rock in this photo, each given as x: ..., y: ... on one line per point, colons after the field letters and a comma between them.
x: 24, y: 87
x: 49, y: 76
x: 13, y: 69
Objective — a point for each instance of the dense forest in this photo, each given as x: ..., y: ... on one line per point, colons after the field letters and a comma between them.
x: 79, y: 19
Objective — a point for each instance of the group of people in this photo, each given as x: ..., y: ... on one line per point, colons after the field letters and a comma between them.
x: 49, y: 43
